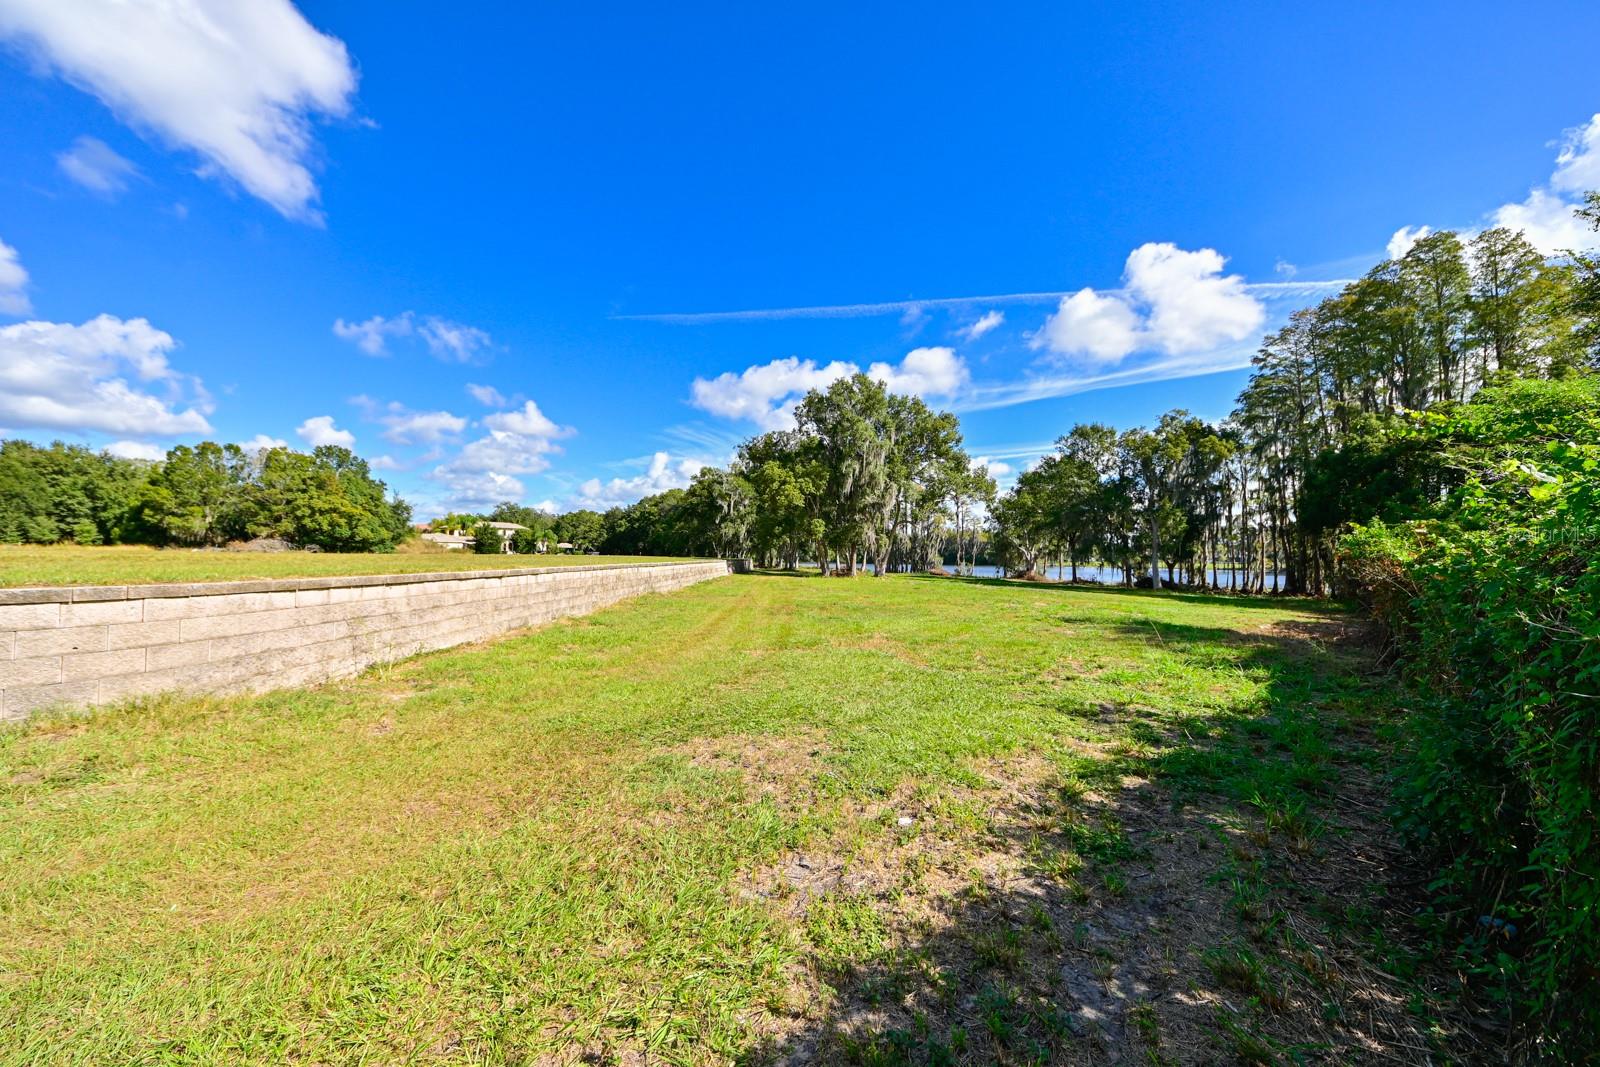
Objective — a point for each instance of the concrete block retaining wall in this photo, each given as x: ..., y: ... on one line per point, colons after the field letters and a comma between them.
x: 86, y: 645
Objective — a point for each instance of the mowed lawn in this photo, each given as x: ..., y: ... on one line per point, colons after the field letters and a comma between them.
x: 907, y: 820
x: 25, y: 565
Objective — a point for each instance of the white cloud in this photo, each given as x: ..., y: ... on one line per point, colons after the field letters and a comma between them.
x: 484, y: 471
x: 136, y: 450
x: 13, y: 283
x: 480, y: 491
x: 997, y: 469
x: 1578, y: 163
x: 507, y: 453
x: 452, y: 340
x: 1284, y: 269
x: 319, y: 430
x: 60, y: 376
x: 487, y: 395
x: 1547, y: 221
x: 548, y: 506
x: 1102, y: 328
x: 94, y: 165
x: 262, y: 443
x: 963, y: 304
x: 763, y: 394
x: 372, y: 335
x: 662, y: 473
x: 447, y: 340
x: 989, y: 321
x: 528, y: 421
x: 404, y: 426
x: 923, y: 372
x: 236, y: 82
x: 1405, y: 238
x: 766, y: 394
x: 1045, y: 386
x: 1545, y: 216
x: 1176, y: 301
x: 385, y: 463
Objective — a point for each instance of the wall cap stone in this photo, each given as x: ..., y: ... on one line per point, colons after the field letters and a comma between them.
x: 77, y: 594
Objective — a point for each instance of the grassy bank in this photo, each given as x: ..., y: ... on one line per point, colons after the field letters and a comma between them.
x: 906, y: 820
x: 22, y: 565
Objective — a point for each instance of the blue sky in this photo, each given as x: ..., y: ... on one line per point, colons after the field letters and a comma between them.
x: 492, y: 246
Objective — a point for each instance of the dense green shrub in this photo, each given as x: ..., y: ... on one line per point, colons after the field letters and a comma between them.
x: 206, y: 494
x: 486, y: 540
x: 1495, y: 608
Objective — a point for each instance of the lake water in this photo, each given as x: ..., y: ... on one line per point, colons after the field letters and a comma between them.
x: 1111, y: 575
x: 1104, y: 575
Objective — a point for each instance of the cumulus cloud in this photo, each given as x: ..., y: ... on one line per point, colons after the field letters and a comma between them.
x: 519, y: 442
x: 13, y: 283
x: 766, y: 394
x: 1405, y: 238
x: 990, y: 321
x: 479, y: 491
x: 487, y: 395
x: 1547, y: 221
x: 923, y: 372
x: 385, y: 463
x: 503, y: 452
x: 136, y: 450
x: 319, y: 430
x: 262, y: 443
x: 662, y: 473
x: 404, y: 426
x: 1545, y: 216
x: 237, y: 83
x: 1175, y: 301
x: 94, y: 165
x: 528, y: 421
x: 997, y: 468
x: 450, y: 341
x: 1101, y: 328
x: 65, y: 377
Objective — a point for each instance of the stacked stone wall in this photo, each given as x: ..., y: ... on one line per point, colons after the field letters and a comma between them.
x: 85, y: 645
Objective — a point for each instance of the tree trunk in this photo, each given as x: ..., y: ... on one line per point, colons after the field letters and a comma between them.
x: 1155, y: 552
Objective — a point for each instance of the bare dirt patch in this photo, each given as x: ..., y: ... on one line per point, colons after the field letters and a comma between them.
x: 1026, y: 923
x: 782, y: 766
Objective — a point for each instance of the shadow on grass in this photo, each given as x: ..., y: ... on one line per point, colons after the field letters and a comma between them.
x: 1190, y: 889
x: 1099, y: 589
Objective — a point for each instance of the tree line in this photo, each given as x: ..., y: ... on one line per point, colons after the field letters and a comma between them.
x: 867, y: 478
x: 1323, y: 435
x: 201, y: 495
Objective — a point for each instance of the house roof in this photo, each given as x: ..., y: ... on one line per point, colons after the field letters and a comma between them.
x: 508, y: 526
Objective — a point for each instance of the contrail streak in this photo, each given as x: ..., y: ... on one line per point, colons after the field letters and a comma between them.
x: 1270, y: 290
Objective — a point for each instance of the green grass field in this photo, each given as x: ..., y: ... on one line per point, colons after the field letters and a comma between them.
x: 24, y: 565
x: 907, y: 820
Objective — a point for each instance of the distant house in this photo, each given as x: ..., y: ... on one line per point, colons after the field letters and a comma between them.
x: 458, y: 539
x: 508, y: 533
x: 449, y: 540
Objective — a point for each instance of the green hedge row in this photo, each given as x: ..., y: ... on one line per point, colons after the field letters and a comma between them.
x: 1495, y: 611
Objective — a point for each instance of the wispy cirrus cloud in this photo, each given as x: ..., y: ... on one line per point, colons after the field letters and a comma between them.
x: 96, y: 166
x: 1291, y: 289
x: 453, y: 342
